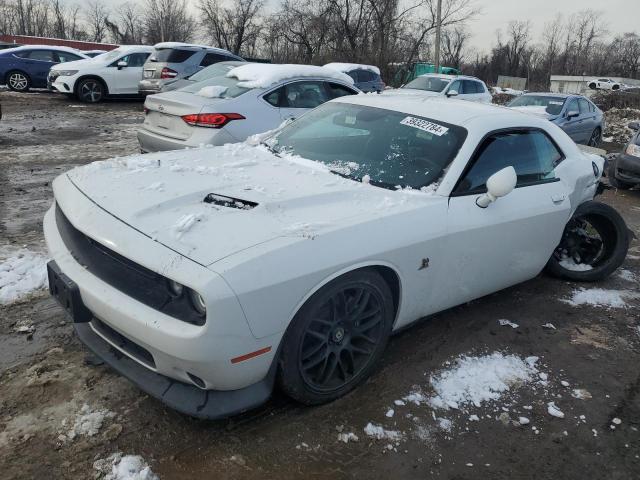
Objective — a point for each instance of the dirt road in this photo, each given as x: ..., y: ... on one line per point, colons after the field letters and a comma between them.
x: 46, y: 378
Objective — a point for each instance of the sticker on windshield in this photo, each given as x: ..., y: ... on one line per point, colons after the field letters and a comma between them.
x: 425, y: 125
x: 555, y: 102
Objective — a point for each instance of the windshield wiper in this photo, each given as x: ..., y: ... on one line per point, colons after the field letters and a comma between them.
x: 375, y: 183
x: 271, y: 149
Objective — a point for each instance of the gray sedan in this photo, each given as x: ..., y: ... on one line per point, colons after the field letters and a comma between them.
x: 578, y: 116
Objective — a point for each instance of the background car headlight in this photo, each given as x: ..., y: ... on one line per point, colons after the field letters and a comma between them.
x: 633, y: 150
x: 198, y: 302
x: 175, y: 288
x: 66, y: 73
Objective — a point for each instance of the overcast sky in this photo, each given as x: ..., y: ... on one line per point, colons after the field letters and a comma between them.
x: 619, y: 15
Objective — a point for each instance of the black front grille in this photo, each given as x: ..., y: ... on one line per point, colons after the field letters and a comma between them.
x: 134, y: 280
x: 122, y: 342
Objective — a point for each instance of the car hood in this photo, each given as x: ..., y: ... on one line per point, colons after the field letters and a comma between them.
x: 536, y: 110
x: 163, y: 195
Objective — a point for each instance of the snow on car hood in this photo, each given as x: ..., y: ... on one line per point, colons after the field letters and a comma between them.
x: 163, y: 196
x: 538, y: 110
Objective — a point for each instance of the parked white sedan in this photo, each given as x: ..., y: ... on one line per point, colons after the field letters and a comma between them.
x: 204, y: 275
x: 250, y: 99
x: 604, y: 84
x: 115, y: 73
x: 448, y: 86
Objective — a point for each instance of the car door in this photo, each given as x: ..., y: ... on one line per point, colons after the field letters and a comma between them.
x: 512, y: 239
x: 571, y: 124
x: 588, y: 116
x: 39, y: 63
x: 301, y: 96
x: 458, y: 87
x: 124, y: 80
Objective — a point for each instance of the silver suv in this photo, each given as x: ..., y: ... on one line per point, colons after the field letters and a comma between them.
x: 172, y: 61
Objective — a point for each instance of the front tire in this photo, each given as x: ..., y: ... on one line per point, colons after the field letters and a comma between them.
x: 337, y: 338
x: 596, y: 137
x: 594, y: 244
x: 91, y: 90
x: 592, y: 86
x: 18, y: 81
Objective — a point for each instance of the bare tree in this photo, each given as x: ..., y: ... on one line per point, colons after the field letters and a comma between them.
x: 168, y: 21
x: 128, y: 28
x: 453, y: 46
x: 235, y: 28
x: 97, y: 15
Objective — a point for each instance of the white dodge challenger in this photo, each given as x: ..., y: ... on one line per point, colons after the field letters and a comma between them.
x: 206, y: 276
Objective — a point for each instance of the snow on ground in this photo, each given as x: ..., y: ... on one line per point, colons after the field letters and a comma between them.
x: 380, y: 433
x: 504, y: 323
x: 123, y: 467
x: 87, y: 422
x: 263, y: 75
x: 599, y: 297
x: 348, y: 67
x: 347, y: 437
x: 627, y: 275
x: 21, y: 272
x: 474, y: 380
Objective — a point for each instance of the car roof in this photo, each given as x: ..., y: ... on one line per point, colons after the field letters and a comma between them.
x: 549, y: 94
x: 453, y: 111
x: 450, y: 77
x: 44, y: 47
x: 195, y: 46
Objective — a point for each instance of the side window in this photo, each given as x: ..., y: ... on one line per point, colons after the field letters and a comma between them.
x: 42, y: 55
x: 353, y: 74
x: 305, y: 94
x: 336, y: 90
x: 480, y: 87
x: 585, y: 108
x: 457, y: 86
x: 365, y: 76
x: 66, y: 57
x: 211, y: 58
x: 137, y: 59
x: 469, y: 86
x: 531, y: 153
x: 572, y: 106
x: 276, y: 98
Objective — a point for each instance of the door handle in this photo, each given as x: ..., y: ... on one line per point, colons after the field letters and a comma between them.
x: 558, y: 198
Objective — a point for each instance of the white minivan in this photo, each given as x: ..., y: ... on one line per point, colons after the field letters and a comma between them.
x: 117, y: 72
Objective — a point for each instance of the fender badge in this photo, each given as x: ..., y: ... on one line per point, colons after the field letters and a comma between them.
x: 424, y: 264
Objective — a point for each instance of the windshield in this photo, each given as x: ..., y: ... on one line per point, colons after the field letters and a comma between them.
x: 215, y: 70
x: 387, y: 148
x: 109, y: 56
x: 551, y: 105
x: 231, y: 84
x: 430, y: 84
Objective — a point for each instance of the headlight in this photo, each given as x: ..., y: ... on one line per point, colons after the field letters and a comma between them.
x: 66, y: 73
x: 633, y: 150
x: 175, y: 288
x: 198, y: 302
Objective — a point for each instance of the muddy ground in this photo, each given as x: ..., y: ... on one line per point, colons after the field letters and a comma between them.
x: 46, y: 379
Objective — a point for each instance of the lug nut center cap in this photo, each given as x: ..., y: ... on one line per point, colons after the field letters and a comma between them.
x: 338, y: 335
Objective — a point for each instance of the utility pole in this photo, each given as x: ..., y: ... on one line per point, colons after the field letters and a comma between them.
x: 438, y: 28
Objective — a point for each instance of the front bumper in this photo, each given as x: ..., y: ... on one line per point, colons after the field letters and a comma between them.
x: 166, y: 351
x: 62, y: 84
x: 628, y: 168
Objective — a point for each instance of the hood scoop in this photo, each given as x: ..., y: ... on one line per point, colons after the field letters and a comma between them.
x: 229, y: 202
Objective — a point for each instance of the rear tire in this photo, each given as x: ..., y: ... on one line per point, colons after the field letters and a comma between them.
x: 18, y: 81
x: 592, y: 86
x: 594, y: 244
x: 611, y: 176
x: 336, y: 339
x: 90, y: 90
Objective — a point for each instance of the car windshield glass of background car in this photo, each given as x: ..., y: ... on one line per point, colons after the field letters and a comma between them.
x: 430, y: 84
x: 552, y: 105
x: 393, y: 149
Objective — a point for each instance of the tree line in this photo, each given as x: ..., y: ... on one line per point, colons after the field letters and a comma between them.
x: 391, y: 34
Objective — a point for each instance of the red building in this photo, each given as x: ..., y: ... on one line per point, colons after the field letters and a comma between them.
x: 27, y: 40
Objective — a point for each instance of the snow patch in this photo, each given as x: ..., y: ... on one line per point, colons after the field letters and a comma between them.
x: 21, y: 272
x: 474, y: 380
x: 570, y: 264
x: 212, y: 91
x: 88, y: 422
x: 627, y: 275
x: 348, y: 67
x: 380, y: 433
x: 599, y: 297
x: 554, y: 411
x: 504, y: 322
x: 186, y: 223
x: 124, y: 467
x: 347, y: 437
x: 262, y: 75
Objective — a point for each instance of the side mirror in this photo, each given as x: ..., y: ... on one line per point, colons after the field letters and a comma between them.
x: 634, y: 125
x: 499, y: 184
x: 452, y: 93
x: 572, y: 113
x: 122, y: 65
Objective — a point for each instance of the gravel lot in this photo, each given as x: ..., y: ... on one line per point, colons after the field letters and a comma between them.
x: 46, y: 377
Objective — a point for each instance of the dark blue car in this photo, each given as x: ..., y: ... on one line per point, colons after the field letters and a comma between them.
x: 27, y: 67
x: 578, y: 116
